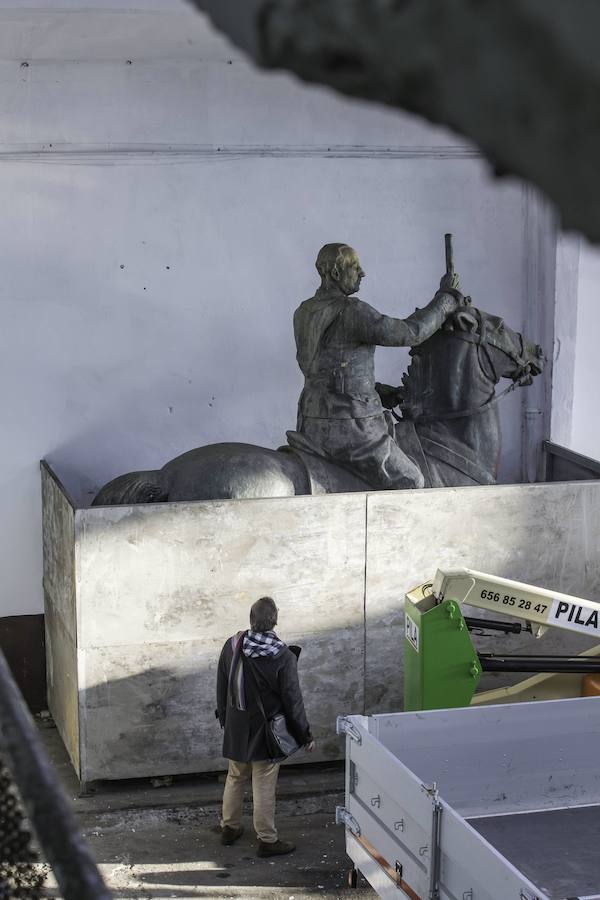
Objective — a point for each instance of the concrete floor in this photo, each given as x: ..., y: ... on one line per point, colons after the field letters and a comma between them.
x: 159, y: 839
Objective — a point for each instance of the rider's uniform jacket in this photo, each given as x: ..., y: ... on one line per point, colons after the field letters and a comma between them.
x: 340, y: 416
x: 336, y: 337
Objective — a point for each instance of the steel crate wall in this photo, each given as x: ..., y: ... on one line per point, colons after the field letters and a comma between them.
x: 139, y: 600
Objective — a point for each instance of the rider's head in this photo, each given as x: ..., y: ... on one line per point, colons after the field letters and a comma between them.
x: 338, y: 266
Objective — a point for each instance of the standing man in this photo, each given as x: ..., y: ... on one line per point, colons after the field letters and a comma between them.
x: 257, y: 666
x: 340, y: 415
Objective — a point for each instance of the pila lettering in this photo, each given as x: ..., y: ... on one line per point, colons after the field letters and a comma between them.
x: 579, y: 615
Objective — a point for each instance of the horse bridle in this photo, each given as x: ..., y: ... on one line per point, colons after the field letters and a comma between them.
x: 522, y: 378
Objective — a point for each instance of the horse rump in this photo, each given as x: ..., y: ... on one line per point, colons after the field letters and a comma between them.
x: 133, y: 487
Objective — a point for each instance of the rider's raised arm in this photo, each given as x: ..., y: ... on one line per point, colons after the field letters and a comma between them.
x: 371, y: 327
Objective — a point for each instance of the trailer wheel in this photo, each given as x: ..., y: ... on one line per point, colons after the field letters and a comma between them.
x: 352, y: 877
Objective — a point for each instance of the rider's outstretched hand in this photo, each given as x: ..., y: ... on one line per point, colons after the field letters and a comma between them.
x: 390, y: 396
x: 461, y: 300
x: 450, y: 282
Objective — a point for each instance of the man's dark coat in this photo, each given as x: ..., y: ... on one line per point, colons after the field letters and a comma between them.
x: 276, y: 677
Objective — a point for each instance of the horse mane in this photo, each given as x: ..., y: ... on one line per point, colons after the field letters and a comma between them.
x: 417, y: 381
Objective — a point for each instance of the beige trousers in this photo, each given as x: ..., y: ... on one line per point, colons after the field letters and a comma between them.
x: 264, y: 784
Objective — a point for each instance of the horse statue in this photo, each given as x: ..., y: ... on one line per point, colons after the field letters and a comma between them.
x: 448, y: 425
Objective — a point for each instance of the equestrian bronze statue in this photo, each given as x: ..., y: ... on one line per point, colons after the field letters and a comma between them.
x: 340, y: 415
x: 439, y: 428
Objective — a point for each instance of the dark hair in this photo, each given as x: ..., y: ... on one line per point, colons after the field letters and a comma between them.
x: 263, y: 615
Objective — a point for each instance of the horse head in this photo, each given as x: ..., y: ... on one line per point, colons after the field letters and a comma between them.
x: 449, y: 400
x: 454, y: 373
x: 520, y: 360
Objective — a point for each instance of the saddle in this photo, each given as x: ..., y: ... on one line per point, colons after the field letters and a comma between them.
x: 324, y: 476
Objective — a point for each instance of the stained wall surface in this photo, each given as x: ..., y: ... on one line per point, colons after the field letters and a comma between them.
x: 163, y: 203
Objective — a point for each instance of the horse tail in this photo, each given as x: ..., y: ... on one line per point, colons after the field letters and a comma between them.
x: 133, y: 487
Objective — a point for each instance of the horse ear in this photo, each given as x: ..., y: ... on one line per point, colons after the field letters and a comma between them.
x: 465, y: 320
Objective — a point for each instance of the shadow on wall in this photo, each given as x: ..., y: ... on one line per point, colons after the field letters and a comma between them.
x: 161, y: 721
x: 143, y: 429
x: 160, y: 715
x: 158, y: 428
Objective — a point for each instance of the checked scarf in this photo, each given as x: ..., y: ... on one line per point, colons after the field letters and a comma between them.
x: 252, y: 644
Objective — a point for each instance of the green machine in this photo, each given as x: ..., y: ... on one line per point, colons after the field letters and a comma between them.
x: 442, y: 668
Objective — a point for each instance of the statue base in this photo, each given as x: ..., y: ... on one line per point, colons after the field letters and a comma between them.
x: 140, y: 599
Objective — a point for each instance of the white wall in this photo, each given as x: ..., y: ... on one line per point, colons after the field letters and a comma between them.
x: 586, y: 415
x: 162, y: 206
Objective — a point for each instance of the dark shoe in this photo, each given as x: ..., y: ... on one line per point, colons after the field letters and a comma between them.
x: 277, y: 848
x: 230, y: 835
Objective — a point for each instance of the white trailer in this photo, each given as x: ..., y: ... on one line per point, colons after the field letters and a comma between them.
x: 479, y: 803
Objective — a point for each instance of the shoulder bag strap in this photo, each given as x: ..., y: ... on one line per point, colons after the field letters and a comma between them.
x: 249, y: 667
x: 237, y: 649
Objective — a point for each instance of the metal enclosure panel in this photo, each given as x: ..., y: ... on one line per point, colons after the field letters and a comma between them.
x: 494, y: 759
x: 154, y: 573
x: 563, y: 464
x: 160, y: 589
x: 155, y: 581
x: 58, y: 538
x: 62, y: 680
x: 150, y: 709
x: 542, y: 534
x: 60, y: 621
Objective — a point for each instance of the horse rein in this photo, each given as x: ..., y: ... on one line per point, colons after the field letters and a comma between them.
x: 480, y: 339
x: 464, y: 413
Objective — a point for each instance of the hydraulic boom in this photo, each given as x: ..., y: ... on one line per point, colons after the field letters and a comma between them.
x: 442, y: 666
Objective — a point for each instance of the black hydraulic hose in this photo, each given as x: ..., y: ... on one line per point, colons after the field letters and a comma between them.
x: 490, y: 662
x: 494, y: 625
